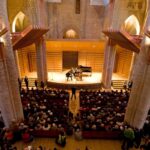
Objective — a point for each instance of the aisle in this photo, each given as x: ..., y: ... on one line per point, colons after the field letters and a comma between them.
x: 74, y: 103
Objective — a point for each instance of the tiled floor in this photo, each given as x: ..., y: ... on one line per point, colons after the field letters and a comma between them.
x: 72, y: 144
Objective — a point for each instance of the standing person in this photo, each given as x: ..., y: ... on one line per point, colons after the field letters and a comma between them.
x: 2, y: 125
x: 128, y: 138
x: 73, y: 89
x: 42, y: 85
x: 130, y: 83
x: 61, y: 139
x: 138, y: 137
x: 26, y: 81
x: 20, y: 83
x: 36, y: 83
x: 125, y: 85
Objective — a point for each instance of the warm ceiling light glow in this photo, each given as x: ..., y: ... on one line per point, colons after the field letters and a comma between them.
x: 132, y: 25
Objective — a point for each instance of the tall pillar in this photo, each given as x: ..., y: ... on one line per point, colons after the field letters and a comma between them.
x: 41, y: 60
x: 7, y: 105
x: 139, y: 101
x: 109, y: 60
x: 36, y: 11
x: 10, y: 81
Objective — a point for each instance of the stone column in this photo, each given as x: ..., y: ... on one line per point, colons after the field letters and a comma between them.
x: 10, y: 81
x: 7, y: 105
x: 139, y: 101
x: 17, y: 63
x: 41, y: 60
x: 130, y: 76
x: 36, y: 11
x: 109, y: 60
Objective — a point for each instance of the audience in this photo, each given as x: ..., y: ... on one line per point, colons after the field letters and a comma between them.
x: 45, y: 109
x: 48, y: 109
x: 101, y: 110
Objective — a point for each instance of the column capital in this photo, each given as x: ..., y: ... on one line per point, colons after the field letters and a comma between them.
x: 41, y: 39
x: 111, y: 42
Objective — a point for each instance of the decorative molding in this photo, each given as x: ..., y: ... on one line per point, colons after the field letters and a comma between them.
x: 134, y: 5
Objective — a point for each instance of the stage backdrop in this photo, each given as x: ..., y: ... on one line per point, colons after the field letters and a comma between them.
x: 70, y: 59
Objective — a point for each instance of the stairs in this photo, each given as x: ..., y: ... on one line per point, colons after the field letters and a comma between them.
x: 118, y: 84
x: 31, y: 82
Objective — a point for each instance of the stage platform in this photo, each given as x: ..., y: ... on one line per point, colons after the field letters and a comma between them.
x: 59, y: 80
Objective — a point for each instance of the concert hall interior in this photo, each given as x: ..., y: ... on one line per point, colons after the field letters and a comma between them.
x: 76, y: 70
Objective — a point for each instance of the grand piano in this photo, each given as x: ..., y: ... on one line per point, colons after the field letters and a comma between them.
x: 79, y: 72
x: 85, y: 70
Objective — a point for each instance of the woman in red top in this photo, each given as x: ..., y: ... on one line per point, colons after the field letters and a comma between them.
x: 9, y: 135
x: 26, y: 137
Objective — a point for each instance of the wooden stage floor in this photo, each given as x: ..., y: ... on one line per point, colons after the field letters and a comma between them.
x: 61, y: 77
x: 59, y: 80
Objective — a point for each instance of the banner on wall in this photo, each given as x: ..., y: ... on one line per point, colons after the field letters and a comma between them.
x: 54, y: 1
x: 99, y: 2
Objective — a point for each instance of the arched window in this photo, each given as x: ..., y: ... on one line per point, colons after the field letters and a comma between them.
x: 20, y: 22
x: 71, y: 34
x: 131, y: 25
